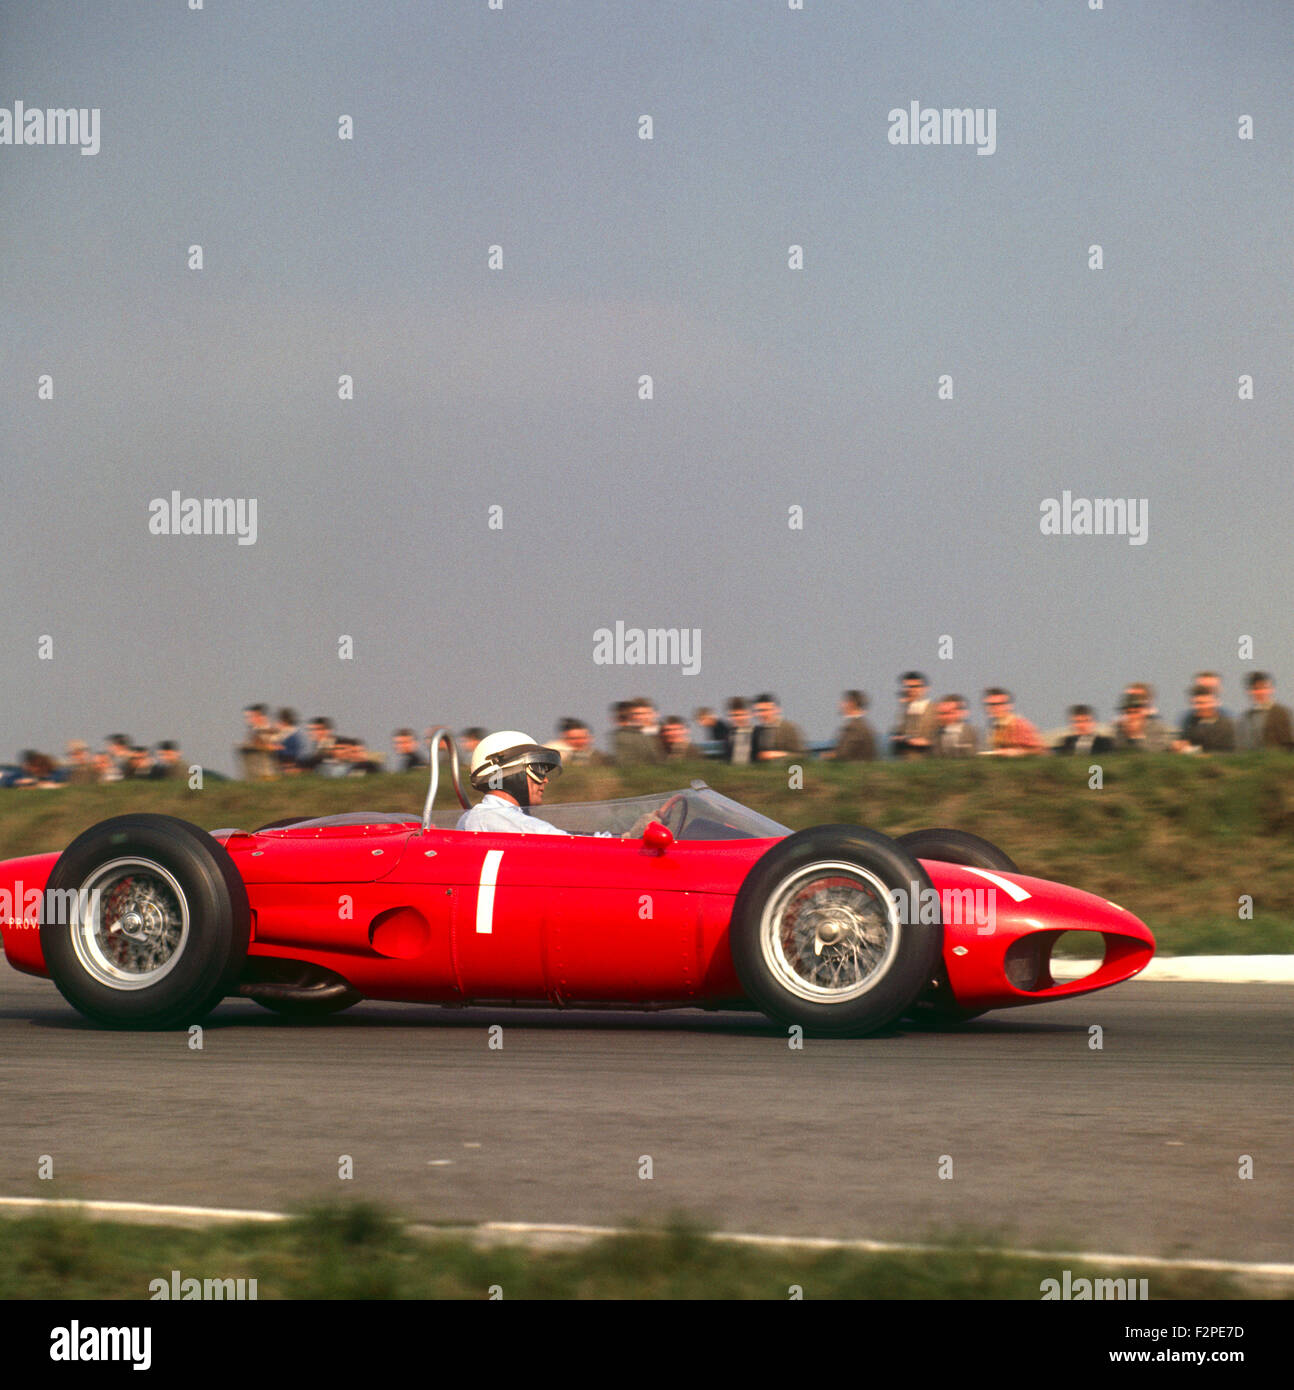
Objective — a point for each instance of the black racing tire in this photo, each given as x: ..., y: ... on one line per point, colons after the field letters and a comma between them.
x: 817, y: 939
x: 957, y: 847
x: 169, y: 938
x: 303, y: 1008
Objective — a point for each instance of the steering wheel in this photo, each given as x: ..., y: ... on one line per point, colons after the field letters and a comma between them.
x: 673, y: 814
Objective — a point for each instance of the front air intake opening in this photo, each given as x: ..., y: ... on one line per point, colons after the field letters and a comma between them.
x: 1044, y: 959
x: 1075, y: 955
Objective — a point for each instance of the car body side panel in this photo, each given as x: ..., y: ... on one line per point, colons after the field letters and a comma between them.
x: 512, y: 917
x: 599, y: 920
x: 327, y: 854
x: 23, y: 883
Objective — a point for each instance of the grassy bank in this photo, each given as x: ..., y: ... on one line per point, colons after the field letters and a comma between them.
x: 1178, y: 841
x: 361, y: 1252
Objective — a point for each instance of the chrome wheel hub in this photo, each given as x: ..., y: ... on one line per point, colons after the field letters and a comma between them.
x: 132, y: 923
x: 829, y: 932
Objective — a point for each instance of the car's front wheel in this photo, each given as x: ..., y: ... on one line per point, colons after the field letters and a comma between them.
x: 145, y: 923
x: 828, y: 933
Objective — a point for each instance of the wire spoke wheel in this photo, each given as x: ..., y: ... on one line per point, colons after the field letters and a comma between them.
x: 820, y: 937
x: 132, y: 923
x: 154, y: 923
x: 830, y: 932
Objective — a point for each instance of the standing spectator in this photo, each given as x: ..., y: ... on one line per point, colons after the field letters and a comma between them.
x: 913, y: 735
x: 1145, y: 692
x: 408, y: 756
x: 1010, y: 734
x: 739, y: 747
x: 322, y: 755
x: 957, y: 736
x: 712, y: 729
x: 1265, y: 724
x: 646, y: 717
x: 80, y: 769
x: 1206, y: 729
x: 775, y: 737
x: 634, y: 745
x: 1212, y: 682
x: 355, y: 758
x: 294, y: 745
x: 676, y: 742
x: 1082, y: 738
x: 258, y: 751
x: 620, y: 723
x: 574, y: 742
x: 140, y: 767
x: 856, y: 740
x: 36, y: 770
x: 1136, y: 731
x: 119, y: 750
x: 1145, y: 730
x: 166, y: 762
x: 105, y: 770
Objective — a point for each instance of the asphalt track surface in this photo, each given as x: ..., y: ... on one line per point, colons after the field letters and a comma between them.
x: 1134, y: 1148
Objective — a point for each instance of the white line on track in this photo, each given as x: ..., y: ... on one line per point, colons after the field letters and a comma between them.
x: 539, y: 1233
x: 1205, y: 970
x: 125, y: 1210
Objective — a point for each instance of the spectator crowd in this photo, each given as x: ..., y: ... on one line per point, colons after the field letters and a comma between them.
x: 278, y: 744
x: 118, y: 760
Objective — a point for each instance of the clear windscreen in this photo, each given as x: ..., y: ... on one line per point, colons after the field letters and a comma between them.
x: 698, y: 813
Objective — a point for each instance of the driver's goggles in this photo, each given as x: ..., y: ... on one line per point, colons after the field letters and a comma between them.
x: 540, y: 772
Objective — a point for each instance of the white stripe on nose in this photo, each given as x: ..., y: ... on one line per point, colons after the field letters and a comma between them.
x: 1012, y: 890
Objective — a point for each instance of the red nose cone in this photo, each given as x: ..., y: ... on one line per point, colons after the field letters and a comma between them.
x: 1000, y: 930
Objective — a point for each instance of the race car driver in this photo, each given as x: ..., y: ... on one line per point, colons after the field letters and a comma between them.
x: 512, y: 769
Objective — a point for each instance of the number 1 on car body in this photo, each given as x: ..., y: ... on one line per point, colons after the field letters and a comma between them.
x: 485, y: 896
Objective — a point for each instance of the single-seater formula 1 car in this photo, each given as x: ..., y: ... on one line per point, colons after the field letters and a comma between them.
x: 684, y: 900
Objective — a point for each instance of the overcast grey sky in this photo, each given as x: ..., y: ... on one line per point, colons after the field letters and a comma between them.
x: 518, y: 388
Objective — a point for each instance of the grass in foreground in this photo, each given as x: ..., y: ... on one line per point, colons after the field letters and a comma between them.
x: 362, y: 1252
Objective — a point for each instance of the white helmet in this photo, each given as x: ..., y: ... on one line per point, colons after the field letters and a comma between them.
x: 505, y: 760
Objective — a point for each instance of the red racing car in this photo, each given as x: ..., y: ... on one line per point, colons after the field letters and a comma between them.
x: 690, y: 900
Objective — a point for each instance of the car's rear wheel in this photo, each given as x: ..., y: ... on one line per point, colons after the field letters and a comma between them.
x: 820, y: 936
x: 939, y: 1009
x: 146, y: 922
x: 957, y: 847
